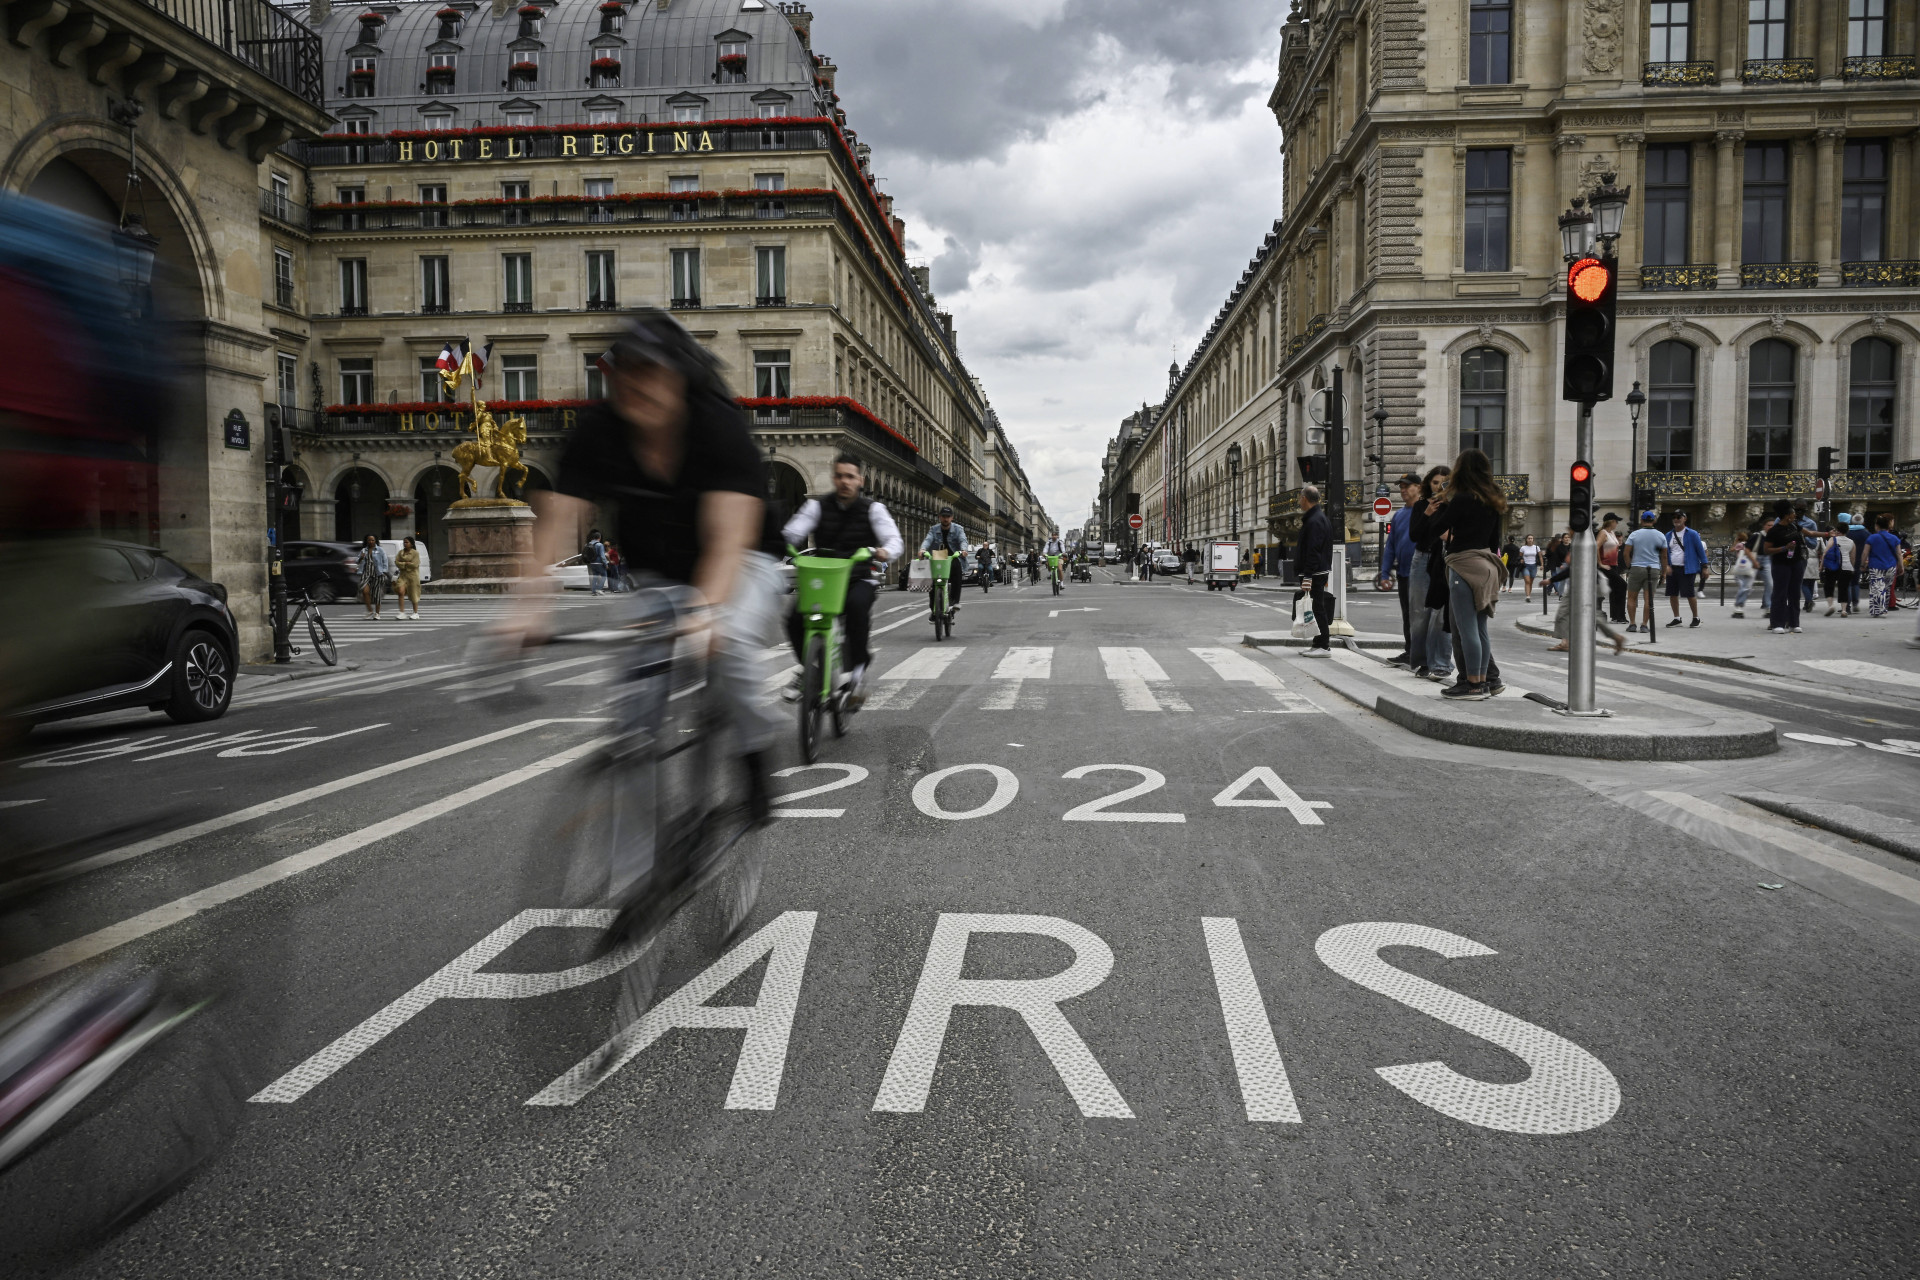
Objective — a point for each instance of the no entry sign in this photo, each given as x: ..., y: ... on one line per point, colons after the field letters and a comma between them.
x: 1383, y: 507
x: 1136, y: 521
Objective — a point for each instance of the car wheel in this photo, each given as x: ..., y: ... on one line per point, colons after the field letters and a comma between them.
x: 202, y: 679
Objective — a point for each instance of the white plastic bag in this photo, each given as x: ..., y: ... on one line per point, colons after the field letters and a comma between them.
x: 1303, y: 626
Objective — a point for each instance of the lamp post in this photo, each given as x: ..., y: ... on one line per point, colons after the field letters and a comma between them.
x: 1636, y: 401
x: 134, y: 246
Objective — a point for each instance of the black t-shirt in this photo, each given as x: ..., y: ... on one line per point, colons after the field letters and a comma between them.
x: 1783, y: 539
x: 659, y: 516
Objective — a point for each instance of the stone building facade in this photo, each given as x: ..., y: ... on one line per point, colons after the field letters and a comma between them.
x: 1770, y: 265
x: 520, y: 175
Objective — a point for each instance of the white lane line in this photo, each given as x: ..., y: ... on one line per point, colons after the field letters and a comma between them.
x: 101, y: 941
x: 1134, y: 673
x: 365, y: 682
x: 900, y: 688
x: 528, y: 674
x: 1862, y: 670
x: 894, y: 626
x: 181, y: 835
x: 1860, y: 869
x: 16, y: 804
x: 1238, y: 668
x: 1404, y: 681
x: 1018, y: 666
x: 911, y: 604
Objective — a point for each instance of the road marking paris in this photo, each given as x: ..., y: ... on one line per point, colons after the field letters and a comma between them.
x: 1567, y: 1089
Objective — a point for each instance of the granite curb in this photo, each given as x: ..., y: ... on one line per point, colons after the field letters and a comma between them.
x: 1536, y: 625
x: 1895, y: 835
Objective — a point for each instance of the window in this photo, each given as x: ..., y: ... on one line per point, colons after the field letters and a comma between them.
x: 430, y: 196
x: 605, y: 71
x: 770, y: 277
x: 684, y: 182
x: 596, y: 376
x: 733, y: 62
x: 1670, y: 31
x: 356, y: 380
x: 772, y: 111
x: 1870, y: 405
x: 434, y: 293
x: 1766, y: 30
x: 1489, y: 174
x: 449, y: 26
x: 360, y: 76
x: 610, y: 20
x: 441, y: 71
x: 439, y: 121
x: 689, y: 112
x: 598, y: 189
x: 520, y: 377
x: 770, y: 182
x: 518, y: 117
x: 1669, y: 189
x: 519, y: 281
x: 1866, y: 28
x: 600, y: 280
x: 524, y: 70
x: 432, y: 390
x: 282, y: 197
x: 682, y: 210
x: 353, y: 286
x: 1490, y: 42
x: 603, y: 115
x: 287, y: 381
x: 1763, y: 236
x: 1670, y: 399
x: 1483, y: 404
x: 773, y: 373
x: 510, y: 216
x: 686, y: 277
x: 351, y: 220
x: 1863, y: 203
x: 1770, y: 389
x: 283, y: 279
x: 529, y: 26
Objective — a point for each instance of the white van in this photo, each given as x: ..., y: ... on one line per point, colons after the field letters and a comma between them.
x: 392, y: 547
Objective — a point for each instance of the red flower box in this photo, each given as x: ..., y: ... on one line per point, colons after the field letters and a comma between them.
x: 605, y: 64
x: 440, y: 72
x: 532, y: 11
x: 613, y: 6
x: 450, y: 15
x: 824, y: 402
x: 359, y: 73
x: 525, y: 68
x: 734, y: 62
x: 373, y: 19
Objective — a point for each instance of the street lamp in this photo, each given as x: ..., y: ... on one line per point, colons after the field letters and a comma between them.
x: 134, y: 246
x: 1610, y: 208
x: 1636, y: 401
x: 1576, y: 230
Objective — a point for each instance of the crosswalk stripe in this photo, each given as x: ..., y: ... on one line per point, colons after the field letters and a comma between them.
x: 1238, y: 668
x: 901, y: 687
x: 1018, y: 666
x: 1134, y: 673
x: 1862, y: 670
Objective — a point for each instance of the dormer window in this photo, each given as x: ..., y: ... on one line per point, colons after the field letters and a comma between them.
x: 689, y: 112
x: 530, y: 15
x: 360, y: 77
x: 449, y: 23
x: 441, y: 72
x: 733, y: 62
x: 370, y: 24
x: 612, y: 14
x: 524, y: 71
x: 519, y: 117
x: 605, y: 73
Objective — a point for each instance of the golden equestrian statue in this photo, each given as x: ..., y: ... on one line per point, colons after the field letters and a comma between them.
x: 494, y: 445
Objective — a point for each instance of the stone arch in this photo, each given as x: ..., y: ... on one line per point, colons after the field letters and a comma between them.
x: 786, y: 483
x: 360, y: 496
x: 435, y: 487
x: 1519, y: 407
x: 1906, y: 380
x: 1804, y: 342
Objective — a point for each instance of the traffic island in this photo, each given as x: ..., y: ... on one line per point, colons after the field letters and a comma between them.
x: 1672, y: 728
x: 1286, y: 640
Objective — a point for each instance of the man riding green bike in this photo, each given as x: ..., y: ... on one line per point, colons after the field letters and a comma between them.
x: 949, y: 537
x: 846, y: 522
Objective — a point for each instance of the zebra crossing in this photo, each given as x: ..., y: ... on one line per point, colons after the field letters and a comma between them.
x: 352, y: 626
x: 1168, y: 678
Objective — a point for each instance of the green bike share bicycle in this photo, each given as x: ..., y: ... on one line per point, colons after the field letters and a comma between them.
x: 1053, y: 571
x: 820, y: 583
x: 939, y: 598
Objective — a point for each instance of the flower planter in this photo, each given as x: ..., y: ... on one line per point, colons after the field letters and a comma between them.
x: 529, y: 70
x: 613, y: 6
x: 605, y: 66
x: 362, y: 73
x: 449, y: 15
x: 734, y: 62
x: 373, y: 19
x: 440, y: 73
x: 531, y: 11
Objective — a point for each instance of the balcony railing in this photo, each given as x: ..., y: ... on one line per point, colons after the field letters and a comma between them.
x: 264, y: 36
x: 351, y: 310
x: 516, y: 308
x: 1778, y: 71
x: 771, y: 300
x: 433, y: 308
x: 1896, y: 68
x: 454, y: 421
x: 543, y: 146
x: 1880, y: 275
x: 687, y: 302
x: 283, y: 209
x: 1694, y: 275
x: 1315, y: 325
x: 1779, y: 275
x: 602, y: 304
x: 1768, y: 486
x: 1676, y: 75
x: 548, y: 213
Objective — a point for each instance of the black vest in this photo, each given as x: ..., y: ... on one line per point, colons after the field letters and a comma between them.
x: 844, y: 532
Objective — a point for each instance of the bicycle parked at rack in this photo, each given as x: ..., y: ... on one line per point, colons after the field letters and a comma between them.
x: 305, y: 606
x: 820, y: 584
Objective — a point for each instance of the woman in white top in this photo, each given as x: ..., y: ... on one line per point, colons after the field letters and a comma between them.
x: 1529, y: 562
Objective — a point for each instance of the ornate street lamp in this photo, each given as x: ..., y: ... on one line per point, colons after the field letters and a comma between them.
x: 1610, y: 208
x: 134, y: 246
x: 1636, y: 401
x: 1576, y: 230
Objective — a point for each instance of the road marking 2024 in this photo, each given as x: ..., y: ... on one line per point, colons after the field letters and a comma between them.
x: 1567, y: 1089
x: 1257, y: 788
x: 248, y: 742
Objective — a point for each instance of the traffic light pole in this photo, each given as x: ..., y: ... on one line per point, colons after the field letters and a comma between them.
x: 1583, y: 604
x: 1336, y: 504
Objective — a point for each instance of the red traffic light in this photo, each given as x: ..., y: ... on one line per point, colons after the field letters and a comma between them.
x: 1582, y: 473
x: 1588, y: 279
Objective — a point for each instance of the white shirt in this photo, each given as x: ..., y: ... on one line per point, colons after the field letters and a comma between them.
x: 807, y: 519
x: 1054, y: 548
x: 1529, y: 553
x: 1676, y: 550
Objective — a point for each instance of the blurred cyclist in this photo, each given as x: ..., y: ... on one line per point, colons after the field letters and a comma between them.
x: 846, y: 522
x: 952, y: 539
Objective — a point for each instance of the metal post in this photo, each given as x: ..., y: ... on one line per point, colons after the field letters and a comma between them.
x: 1582, y: 608
x: 276, y: 580
x: 1337, y: 503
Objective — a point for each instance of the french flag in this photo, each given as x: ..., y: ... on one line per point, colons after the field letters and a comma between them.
x: 479, y: 359
x: 450, y: 358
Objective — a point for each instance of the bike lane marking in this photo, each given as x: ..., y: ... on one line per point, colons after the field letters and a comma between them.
x: 115, y: 936
x: 181, y: 835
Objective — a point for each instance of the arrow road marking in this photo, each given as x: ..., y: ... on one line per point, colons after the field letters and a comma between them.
x: 1057, y: 612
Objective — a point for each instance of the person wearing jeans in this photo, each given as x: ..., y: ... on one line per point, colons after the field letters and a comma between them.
x: 1469, y: 514
x: 1429, y: 648
x: 1744, y: 569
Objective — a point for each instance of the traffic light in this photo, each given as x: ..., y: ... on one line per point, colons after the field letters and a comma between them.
x: 1580, y: 497
x: 1587, y: 373
x: 1823, y: 478
x: 1313, y: 469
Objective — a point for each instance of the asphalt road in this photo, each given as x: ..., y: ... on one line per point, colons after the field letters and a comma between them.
x: 1315, y: 997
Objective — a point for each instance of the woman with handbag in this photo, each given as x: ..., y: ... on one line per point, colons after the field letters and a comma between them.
x: 374, y: 572
x: 406, y: 578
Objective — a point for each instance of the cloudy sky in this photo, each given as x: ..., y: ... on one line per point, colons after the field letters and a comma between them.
x: 1088, y: 178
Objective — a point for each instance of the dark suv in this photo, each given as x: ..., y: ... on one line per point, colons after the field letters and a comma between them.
x: 326, y: 571
x: 143, y: 632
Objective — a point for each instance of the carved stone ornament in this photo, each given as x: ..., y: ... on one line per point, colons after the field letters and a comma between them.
x: 1716, y: 512
x: 1673, y: 323
x: 1779, y: 323
x: 1600, y: 24
x: 1879, y: 322
x: 1595, y: 165
x: 1486, y: 331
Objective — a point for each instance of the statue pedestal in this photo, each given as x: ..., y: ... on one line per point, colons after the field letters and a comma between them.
x: 489, y: 540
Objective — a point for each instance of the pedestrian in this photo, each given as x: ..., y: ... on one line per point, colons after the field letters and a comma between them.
x: 1470, y: 519
x: 1786, y: 549
x: 1610, y: 567
x: 1529, y: 563
x: 616, y: 571
x: 1837, y: 567
x: 1745, y: 567
x: 1428, y: 642
x: 375, y: 569
x: 1563, y: 616
x: 406, y: 578
x: 1686, y: 557
x: 1397, y: 564
x: 595, y: 554
x: 1811, y: 536
x: 1885, y: 558
x: 1646, y: 553
x: 1509, y: 556
x: 1551, y: 558
x: 1313, y: 562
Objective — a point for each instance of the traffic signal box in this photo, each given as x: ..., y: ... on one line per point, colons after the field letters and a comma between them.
x: 1587, y: 373
x: 1580, y: 497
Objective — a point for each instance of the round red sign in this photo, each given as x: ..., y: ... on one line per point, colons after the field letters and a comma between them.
x: 1383, y: 506
x: 1136, y: 522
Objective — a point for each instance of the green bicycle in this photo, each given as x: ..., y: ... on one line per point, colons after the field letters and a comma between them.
x: 1053, y: 570
x: 939, y: 599
x: 821, y: 584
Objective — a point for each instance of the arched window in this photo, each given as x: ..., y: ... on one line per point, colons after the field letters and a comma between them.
x: 1670, y: 400
x: 1489, y: 42
x: 1870, y: 405
x: 1770, y: 393
x: 1483, y: 405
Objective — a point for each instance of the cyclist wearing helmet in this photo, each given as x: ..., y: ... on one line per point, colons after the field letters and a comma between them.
x: 951, y: 538
x: 843, y: 524
x: 670, y: 451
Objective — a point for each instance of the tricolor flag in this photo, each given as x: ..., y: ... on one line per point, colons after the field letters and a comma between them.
x: 475, y: 362
x: 449, y: 358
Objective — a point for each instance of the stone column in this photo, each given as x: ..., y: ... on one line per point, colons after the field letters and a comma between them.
x: 1723, y: 37
x: 1801, y: 186
x: 1830, y: 51
x: 1826, y: 203
x: 1635, y: 220
x: 1566, y: 154
x: 1900, y: 198
x: 1726, y: 206
x: 1517, y: 220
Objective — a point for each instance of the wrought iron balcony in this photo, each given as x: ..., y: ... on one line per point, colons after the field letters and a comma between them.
x: 1880, y: 275
x: 1895, y: 68
x: 1778, y: 71
x: 516, y: 308
x: 283, y: 209
x: 688, y: 302
x: 771, y: 300
x: 1694, y: 275
x: 1676, y: 75
x: 602, y: 304
x: 1779, y: 275
x: 433, y: 308
x: 1769, y: 486
x: 1296, y: 344
x: 454, y: 420
x: 562, y: 212
x: 264, y: 36
x: 353, y: 310
x: 1315, y: 325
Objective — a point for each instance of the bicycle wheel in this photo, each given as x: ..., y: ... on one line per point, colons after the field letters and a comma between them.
x: 322, y: 638
x: 812, y: 674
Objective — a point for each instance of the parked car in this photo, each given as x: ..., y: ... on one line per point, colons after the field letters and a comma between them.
x: 149, y: 634
x: 1167, y: 562
x: 326, y: 571
x: 571, y: 573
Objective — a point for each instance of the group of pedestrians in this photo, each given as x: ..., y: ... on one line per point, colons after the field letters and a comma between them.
x: 377, y: 573
x: 605, y: 572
